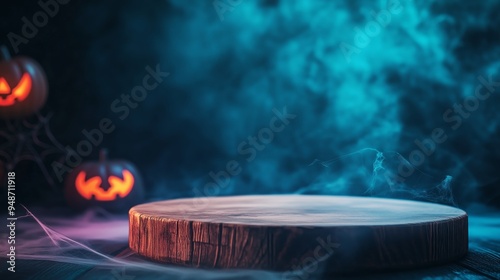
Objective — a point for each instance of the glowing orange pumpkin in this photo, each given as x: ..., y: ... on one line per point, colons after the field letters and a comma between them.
x: 113, y: 185
x: 23, y: 86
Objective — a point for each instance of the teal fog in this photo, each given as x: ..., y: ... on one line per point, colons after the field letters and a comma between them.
x: 381, y: 98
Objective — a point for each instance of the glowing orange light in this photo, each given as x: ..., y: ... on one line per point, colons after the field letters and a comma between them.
x: 19, y: 93
x: 4, y: 86
x: 92, y: 187
x: 87, y: 188
x: 22, y: 90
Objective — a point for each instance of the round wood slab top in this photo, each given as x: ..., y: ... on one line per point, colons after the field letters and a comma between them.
x: 300, y: 210
x: 282, y: 232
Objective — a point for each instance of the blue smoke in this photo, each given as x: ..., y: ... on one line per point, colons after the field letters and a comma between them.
x: 363, y: 95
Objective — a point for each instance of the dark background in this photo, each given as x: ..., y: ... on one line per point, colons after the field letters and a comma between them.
x: 226, y: 76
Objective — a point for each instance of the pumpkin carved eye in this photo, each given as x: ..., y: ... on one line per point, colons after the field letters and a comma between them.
x: 23, y: 89
x: 4, y: 86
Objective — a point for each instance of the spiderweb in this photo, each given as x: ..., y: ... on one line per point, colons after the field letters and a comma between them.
x: 29, y: 140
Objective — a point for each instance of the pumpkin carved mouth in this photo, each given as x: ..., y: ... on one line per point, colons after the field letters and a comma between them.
x: 19, y: 93
x: 89, y: 188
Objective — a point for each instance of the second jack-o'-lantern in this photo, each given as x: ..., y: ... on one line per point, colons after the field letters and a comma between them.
x: 23, y: 86
x: 113, y: 185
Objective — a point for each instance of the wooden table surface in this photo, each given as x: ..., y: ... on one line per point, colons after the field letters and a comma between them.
x: 482, y: 262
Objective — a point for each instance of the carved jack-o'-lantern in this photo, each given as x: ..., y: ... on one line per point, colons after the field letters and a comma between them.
x: 23, y: 86
x: 113, y: 185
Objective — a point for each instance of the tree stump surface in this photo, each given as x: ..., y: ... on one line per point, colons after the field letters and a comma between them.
x: 298, y: 232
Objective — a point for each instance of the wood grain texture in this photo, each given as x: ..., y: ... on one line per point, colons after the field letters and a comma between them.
x: 290, y: 232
